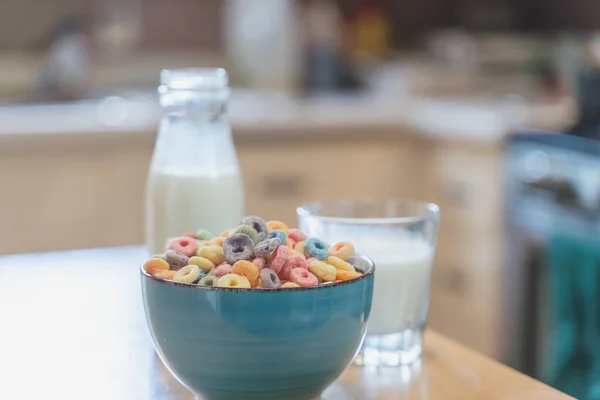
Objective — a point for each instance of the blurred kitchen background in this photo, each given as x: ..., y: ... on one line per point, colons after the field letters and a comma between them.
x: 453, y: 101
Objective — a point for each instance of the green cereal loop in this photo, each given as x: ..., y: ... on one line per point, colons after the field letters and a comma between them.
x: 249, y: 231
x: 204, y: 234
x: 209, y: 280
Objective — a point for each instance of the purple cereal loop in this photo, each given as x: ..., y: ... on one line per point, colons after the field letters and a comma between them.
x: 269, y: 279
x: 176, y: 259
x: 266, y: 246
x: 238, y: 247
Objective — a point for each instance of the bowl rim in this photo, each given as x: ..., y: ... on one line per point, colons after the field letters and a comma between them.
x: 192, y: 286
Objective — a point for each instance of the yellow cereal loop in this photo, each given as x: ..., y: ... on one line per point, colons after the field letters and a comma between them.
x: 299, y: 247
x: 204, y: 263
x: 233, y: 280
x: 290, y: 285
x: 297, y: 252
x: 342, y: 250
x: 289, y: 244
x: 272, y: 225
x: 217, y: 241
x: 213, y: 253
x: 187, y: 274
x: 322, y: 270
x: 338, y: 263
x: 155, y: 264
x: 346, y: 275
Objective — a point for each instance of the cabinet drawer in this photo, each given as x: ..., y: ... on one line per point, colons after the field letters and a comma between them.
x: 280, y: 178
x: 466, y: 184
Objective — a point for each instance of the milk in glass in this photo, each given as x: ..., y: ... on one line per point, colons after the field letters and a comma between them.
x: 403, y: 271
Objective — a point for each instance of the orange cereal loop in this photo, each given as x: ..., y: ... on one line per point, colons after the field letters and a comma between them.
x: 226, y: 233
x: 246, y: 269
x: 289, y: 244
x: 164, y: 274
x: 217, y: 241
x: 272, y: 225
x: 343, y: 275
x: 342, y: 250
x: 155, y: 264
x: 213, y: 253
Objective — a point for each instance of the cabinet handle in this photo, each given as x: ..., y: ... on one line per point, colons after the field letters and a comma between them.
x: 456, y: 281
x: 282, y: 186
x: 452, y: 279
x: 458, y: 193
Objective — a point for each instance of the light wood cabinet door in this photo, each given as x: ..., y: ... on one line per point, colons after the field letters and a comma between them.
x: 281, y: 177
x: 465, y: 302
x: 466, y: 184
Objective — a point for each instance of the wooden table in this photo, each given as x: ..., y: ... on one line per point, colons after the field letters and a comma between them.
x: 72, y: 327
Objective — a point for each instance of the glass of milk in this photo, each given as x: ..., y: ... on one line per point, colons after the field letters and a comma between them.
x: 194, y: 179
x: 400, y: 237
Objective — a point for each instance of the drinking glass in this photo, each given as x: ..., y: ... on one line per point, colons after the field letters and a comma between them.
x: 400, y: 237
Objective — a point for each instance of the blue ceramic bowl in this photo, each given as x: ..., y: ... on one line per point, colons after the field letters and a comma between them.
x: 232, y: 344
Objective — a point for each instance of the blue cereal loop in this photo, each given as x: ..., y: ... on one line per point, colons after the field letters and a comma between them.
x: 277, y: 233
x: 200, y: 276
x: 316, y: 248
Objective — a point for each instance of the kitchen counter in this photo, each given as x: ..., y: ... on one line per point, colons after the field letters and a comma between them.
x: 254, y: 114
x: 73, y: 327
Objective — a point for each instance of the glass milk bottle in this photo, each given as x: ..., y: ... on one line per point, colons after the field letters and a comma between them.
x: 194, y: 179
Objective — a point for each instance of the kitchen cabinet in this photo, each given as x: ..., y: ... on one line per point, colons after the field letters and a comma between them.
x: 281, y: 176
x: 465, y: 297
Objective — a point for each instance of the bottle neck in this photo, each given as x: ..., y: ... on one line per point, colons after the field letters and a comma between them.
x: 194, y: 104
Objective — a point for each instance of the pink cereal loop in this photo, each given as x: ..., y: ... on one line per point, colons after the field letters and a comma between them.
x: 259, y: 262
x: 303, y: 277
x: 296, y: 235
x: 278, y: 259
x: 299, y: 261
x: 222, y: 269
x: 284, y: 274
x: 294, y: 261
x: 184, y: 245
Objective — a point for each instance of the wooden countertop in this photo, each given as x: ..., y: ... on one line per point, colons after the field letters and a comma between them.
x: 72, y: 327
